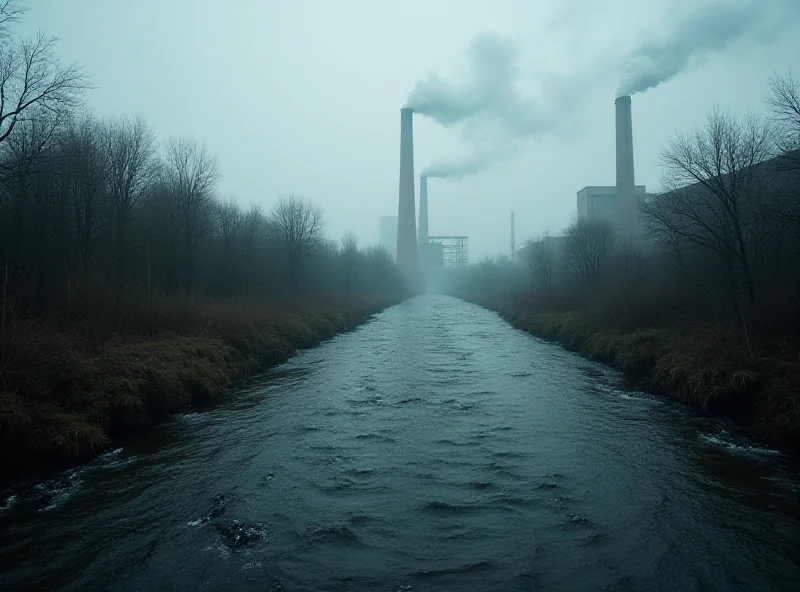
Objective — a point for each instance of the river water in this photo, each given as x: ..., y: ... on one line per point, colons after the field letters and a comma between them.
x: 434, y: 448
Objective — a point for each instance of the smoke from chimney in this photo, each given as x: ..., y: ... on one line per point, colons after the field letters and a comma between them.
x: 626, y: 188
x: 406, y: 219
x: 711, y: 27
x: 480, y: 159
x: 490, y: 101
x: 423, y: 210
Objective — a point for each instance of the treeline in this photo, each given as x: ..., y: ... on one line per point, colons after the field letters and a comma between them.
x: 709, y: 291
x: 96, y: 215
x: 129, y: 288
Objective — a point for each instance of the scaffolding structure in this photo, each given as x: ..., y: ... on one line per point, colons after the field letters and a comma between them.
x: 454, y: 250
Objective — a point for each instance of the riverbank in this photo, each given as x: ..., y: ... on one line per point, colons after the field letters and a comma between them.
x: 66, y: 397
x: 704, y: 367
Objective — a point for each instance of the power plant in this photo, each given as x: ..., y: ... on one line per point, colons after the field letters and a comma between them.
x: 406, y: 218
x: 617, y: 204
x: 416, y: 248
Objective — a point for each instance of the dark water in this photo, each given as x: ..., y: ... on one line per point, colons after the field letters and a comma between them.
x: 435, y: 448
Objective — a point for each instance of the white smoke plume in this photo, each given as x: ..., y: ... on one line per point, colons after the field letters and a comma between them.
x: 711, y: 27
x: 470, y: 164
x: 489, y: 99
x: 492, y: 91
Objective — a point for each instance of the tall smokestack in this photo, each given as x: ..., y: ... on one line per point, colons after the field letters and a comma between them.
x: 513, y: 240
x: 626, y: 190
x: 423, y: 210
x: 406, y: 218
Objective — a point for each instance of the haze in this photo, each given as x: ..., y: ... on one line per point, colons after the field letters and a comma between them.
x: 303, y: 97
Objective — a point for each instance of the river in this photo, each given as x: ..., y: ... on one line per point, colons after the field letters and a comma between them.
x: 434, y: 448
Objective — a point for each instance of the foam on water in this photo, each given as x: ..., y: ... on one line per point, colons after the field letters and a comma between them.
x: 739, y: 448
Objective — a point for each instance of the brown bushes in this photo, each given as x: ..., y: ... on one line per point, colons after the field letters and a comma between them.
x: 64, y: 395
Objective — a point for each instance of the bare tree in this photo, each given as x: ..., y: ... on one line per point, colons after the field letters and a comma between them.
x: 712, y: 181
x: 82, y: 177
x: 31, y: 75
x: 541, y: 260
x: 784, y: 102
x: 129, y: 146
x: 194, y: 176
x: 350, y: 256
x: 299, y: 225
x: 11, y: 12
x: 230, y: 218
x: 588, y: 244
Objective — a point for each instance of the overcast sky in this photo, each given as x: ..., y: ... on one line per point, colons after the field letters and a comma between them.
x: 303, y: 96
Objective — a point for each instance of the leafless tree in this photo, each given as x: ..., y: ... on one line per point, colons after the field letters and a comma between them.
x: 82, y: 178
x: 350, y: 255
x: 588, y: 244
x: 541, y: 260
x: 194, y: 176
x: 31, y: 75
x: 712, y: 182
x: 299, y: 225
x: 230, y: 222
x: 784, y: 102
x: 129, y: 146
x: 11, y: 12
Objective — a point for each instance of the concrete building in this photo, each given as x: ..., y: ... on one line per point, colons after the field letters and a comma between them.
x: 388, y: 235
x: 599, y: 202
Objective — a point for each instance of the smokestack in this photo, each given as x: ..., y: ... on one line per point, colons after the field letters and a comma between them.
x: 626, y: 190
x: 406, y: 215
x: 423, y: 210
x: 513, y: 240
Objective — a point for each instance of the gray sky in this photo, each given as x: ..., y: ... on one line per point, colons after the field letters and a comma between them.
x: 303, y: 96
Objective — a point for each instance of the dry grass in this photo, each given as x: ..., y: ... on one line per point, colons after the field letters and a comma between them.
x: 68, y: 394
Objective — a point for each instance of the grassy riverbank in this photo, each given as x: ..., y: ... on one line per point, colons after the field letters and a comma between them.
x: 64, y: 395
x: 708, y: 368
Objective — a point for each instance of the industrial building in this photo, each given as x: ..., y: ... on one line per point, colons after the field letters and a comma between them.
x: 416, y: 250
x: 599, y: 202
x: 618, y: 204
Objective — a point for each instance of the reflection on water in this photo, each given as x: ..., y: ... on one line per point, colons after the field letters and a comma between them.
x: 434, y: 448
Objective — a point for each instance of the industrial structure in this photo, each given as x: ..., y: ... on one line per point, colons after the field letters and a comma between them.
x: 423, y: 211
x: 617, y: 204
x: 513, y: 240
x: 449, y: 251
x: 406, y: 218
x: 415, y: 249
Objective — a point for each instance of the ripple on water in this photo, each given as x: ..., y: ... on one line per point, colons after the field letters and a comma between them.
x: 339, y: 535
x: 448, y: 509
x: 464, y: 569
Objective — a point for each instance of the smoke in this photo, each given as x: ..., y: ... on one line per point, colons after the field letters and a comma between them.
x: 492, y: 91
x: 470, y: 164
x: 711, y: 27
x: 490, y: 108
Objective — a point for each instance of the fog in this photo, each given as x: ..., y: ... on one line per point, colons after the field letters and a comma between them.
x: 303, y: 97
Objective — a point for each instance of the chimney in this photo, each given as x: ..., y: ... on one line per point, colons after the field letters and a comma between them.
x: 423, y: 210
x: 513, y: 240
x: 626, y: 189
x: 406, y: 215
